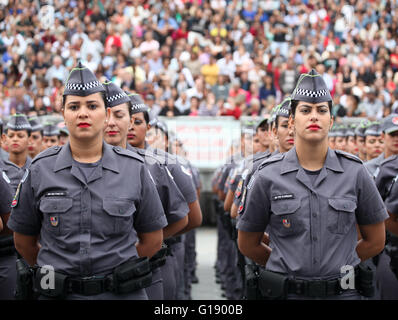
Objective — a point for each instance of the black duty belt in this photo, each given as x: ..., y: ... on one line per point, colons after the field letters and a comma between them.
x: 315, y: 288
x: 89, y: 285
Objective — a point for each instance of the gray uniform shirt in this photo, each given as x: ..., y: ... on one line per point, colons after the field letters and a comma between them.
x: 87, y: 228
x: 13, y: 174
x: 182, y: 177
x: 173, y: 201
x: 373, y: 165
x: 6, y: 197
x: 312, y: 226
x: 392, y: 199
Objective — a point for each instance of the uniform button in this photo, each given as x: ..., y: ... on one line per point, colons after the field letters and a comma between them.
x: 314, y: 215
x: 315, y: 238
x: 315, y: 261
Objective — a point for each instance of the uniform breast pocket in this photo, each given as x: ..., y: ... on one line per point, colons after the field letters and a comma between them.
x: 119, y: 216
x: 285, y: 219
x: 55, y: 218
x: 341, y: 215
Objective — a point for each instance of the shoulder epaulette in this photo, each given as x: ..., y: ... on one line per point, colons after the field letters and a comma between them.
x: 128, y: 153
x: 275, y: 158
x: 47, y: 153
x: 348, y: 156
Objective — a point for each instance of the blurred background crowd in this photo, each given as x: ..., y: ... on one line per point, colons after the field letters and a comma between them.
x: 202, y: 57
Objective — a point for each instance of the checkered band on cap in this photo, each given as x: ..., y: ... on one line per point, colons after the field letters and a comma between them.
x: 19, y: 126
x: 82, y: 87
x: 138, y: 106
x: 312, y: 94
x: 116, y: 97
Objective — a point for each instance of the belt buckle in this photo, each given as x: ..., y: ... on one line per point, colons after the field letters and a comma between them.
x: 92, y: 285
x: 317, y: 288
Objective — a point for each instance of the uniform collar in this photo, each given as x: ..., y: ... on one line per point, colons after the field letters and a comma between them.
x: 65, y: 160
x: 7, y: 162
x: 291, y: 163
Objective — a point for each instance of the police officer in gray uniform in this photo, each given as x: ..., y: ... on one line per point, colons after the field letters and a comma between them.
x: 17, y: 134
x: 387, y: 262
x: 92, y: 207
x: 390, y: 136
x: 3, y: 153
x: 158, y: 136
x: 123, y: 107
x: 313, y: 196
x: 36, y: 137
x: 7, y: 250
x: 50, y: 135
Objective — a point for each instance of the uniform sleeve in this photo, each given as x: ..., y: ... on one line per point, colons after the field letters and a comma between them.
x: 223, y: 177
x: 150, y: 215
x: 25, y: 218
x: 392, y: 199
x: 6, y: 197
x: 184, y: 183
x: 176, y: 206
x: 370, y: 206
x: 257, y: 206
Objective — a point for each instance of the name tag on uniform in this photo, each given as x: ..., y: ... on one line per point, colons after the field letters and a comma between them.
x: 283, y: 197
x: 55, y: 194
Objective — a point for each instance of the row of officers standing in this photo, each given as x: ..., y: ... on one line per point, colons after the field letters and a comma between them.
x: 307, y: 209
x: 106, y: 215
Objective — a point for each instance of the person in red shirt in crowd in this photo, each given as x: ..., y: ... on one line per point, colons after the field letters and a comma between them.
x: 181, y: 32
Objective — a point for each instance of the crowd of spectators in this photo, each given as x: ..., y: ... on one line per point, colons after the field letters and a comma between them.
x: 202, y: 57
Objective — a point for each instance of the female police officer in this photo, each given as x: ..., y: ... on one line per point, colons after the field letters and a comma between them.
x: 312, y: 196
x: 94, y: 207
x: 173, y: 202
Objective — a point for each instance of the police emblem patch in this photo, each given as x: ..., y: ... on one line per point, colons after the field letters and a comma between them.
x: 238, y: 191
x: 395, y: 120
x: 286, y: 223
x: 54, y: 221
x: 16, y: 197
x: 242, y: 202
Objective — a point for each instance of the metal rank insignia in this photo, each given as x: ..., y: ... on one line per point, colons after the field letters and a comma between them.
x: 54, y: 221
x: 286, y: 223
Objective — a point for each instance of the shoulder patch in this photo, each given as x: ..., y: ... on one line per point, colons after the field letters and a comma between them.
x: 275, y: 158
x: 127, y: 153
x: 47, y: 153
x: 348, y: 156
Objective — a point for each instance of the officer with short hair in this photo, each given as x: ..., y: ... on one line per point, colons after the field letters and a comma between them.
x: 314, y: 196
x: 36, y: 137
x: 389, y: 135
x: 351, y: 146
x: 50, y: 135
x: 360, y: 139
x: 7, y: 250
x: 97, y: 229
x: 374, y: 142
x: 17, y: 135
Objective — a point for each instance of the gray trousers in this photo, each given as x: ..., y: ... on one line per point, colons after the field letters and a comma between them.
x: 178, y: 250
x: 8, y: 277
x: 190, y: 261
x: 136, y: 295
x: 169, y: 280
x: 386, y: 280
x: 155, y: 290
